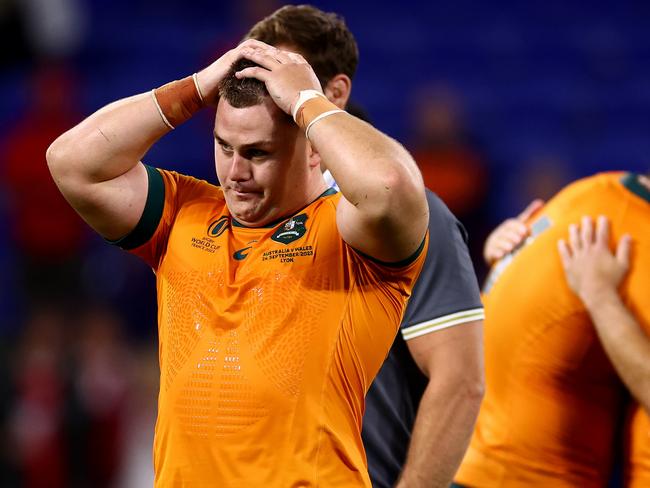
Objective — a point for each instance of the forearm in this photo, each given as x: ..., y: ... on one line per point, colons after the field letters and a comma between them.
x: 627, y: 346
x: 373, y: 171
x: 441, y: 433
x: 109, y: 143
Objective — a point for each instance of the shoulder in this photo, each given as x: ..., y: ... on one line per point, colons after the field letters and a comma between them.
x: 188, y: 187
x: 323, y: 209
x: 590, y: 185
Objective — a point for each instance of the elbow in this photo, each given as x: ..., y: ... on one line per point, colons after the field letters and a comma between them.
x: 55, y: 157
x: 469, y: 388
x: 402, y: 179
x: 476, y: 392
x: 401, y: 189
x: 63, y: 161
x: 472, y: 388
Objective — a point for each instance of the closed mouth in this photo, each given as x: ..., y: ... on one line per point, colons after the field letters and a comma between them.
x: 243, y: 192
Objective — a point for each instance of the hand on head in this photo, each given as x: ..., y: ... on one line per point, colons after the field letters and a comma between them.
x: 284, y: 73
x: 209, y: 78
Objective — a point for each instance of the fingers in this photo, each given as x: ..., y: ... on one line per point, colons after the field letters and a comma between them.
x: 504, y: 239
x: 264, y: 57
x: 270, y: 57
x: 574, y: 238
x: 253, y: 72
x: 602, y: 231
x: 498, y: 250
x: 623, y: 251
x: 513, y: 231
x: 586, y: 231
x: 255, y: 44
x: 532, y: 207
x: 565, y: 253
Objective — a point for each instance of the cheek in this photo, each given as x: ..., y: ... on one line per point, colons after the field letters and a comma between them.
x: 220, y: 166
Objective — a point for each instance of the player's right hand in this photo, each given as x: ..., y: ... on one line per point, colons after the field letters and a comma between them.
x: 509, y: 234
x: 210, y: 77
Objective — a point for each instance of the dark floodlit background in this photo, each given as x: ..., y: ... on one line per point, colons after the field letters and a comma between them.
x: 500, y: 102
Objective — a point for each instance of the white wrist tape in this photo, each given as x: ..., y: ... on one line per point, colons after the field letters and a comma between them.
x: 321, y: 117
x: 303, y: 96
x: 198, y: 88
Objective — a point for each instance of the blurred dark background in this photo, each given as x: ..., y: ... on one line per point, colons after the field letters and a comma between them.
x: 500, y: 102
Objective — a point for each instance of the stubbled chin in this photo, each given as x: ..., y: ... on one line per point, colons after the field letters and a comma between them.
x: 246, y: 212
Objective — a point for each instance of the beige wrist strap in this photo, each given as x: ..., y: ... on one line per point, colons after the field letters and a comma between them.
x: 178, y: 101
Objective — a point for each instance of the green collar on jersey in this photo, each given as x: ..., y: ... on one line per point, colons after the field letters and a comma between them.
x: 326, y: 193
x: 631, y: 182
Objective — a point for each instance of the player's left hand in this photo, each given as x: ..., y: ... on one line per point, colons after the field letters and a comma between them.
x: 590, y: 267
x: 284, y: 73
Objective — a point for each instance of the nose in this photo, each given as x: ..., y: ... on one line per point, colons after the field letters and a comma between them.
x: 240, y: 168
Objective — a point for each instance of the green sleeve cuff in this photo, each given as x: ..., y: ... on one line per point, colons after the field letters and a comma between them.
x: 151, y: 215
x: 631, y: 182
x: 398, y: 264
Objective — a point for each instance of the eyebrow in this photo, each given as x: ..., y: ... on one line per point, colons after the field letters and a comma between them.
x: 255, y: 144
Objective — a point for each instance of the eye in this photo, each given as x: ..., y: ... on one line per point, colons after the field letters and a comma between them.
x: 256, y: 154
x: 226, y: 149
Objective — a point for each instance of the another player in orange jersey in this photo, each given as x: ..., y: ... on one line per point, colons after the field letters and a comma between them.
x: 554, y: 399
x: 595, y: 275
x: 278, y: 299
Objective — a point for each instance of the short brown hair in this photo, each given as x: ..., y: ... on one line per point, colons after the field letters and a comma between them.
x: 321, y: 37
x: 242, y: 92
x: 245, y: 92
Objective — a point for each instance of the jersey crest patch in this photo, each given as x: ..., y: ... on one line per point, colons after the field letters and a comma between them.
x: 291, y: 230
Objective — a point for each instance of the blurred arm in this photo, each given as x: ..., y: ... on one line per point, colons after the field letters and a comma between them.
x: 627, y: 346
x: 509, y: 234
x: 595, y: 274
x: 452, y: 359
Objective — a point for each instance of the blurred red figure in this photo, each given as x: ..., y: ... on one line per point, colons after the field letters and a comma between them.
x: 37, y: 437
x: 451, y: 164
x: 47, y: 233
x: 104, y: 371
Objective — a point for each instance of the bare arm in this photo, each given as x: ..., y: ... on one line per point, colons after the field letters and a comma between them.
x: 452, y: 359
x: 96, y: 164
x: 595, y: 274
x: 384, y: 211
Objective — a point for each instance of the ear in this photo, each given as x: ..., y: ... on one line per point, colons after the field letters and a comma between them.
x: 338, y: 90
x: 313, y: 158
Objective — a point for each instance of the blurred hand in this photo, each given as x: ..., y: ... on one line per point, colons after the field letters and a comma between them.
x: 210, y: 77
x: 509, y: 234
x: 590, y: 268
x: 284, y: 73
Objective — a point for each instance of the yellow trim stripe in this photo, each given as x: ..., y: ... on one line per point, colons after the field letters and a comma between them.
x: 442, y: 323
